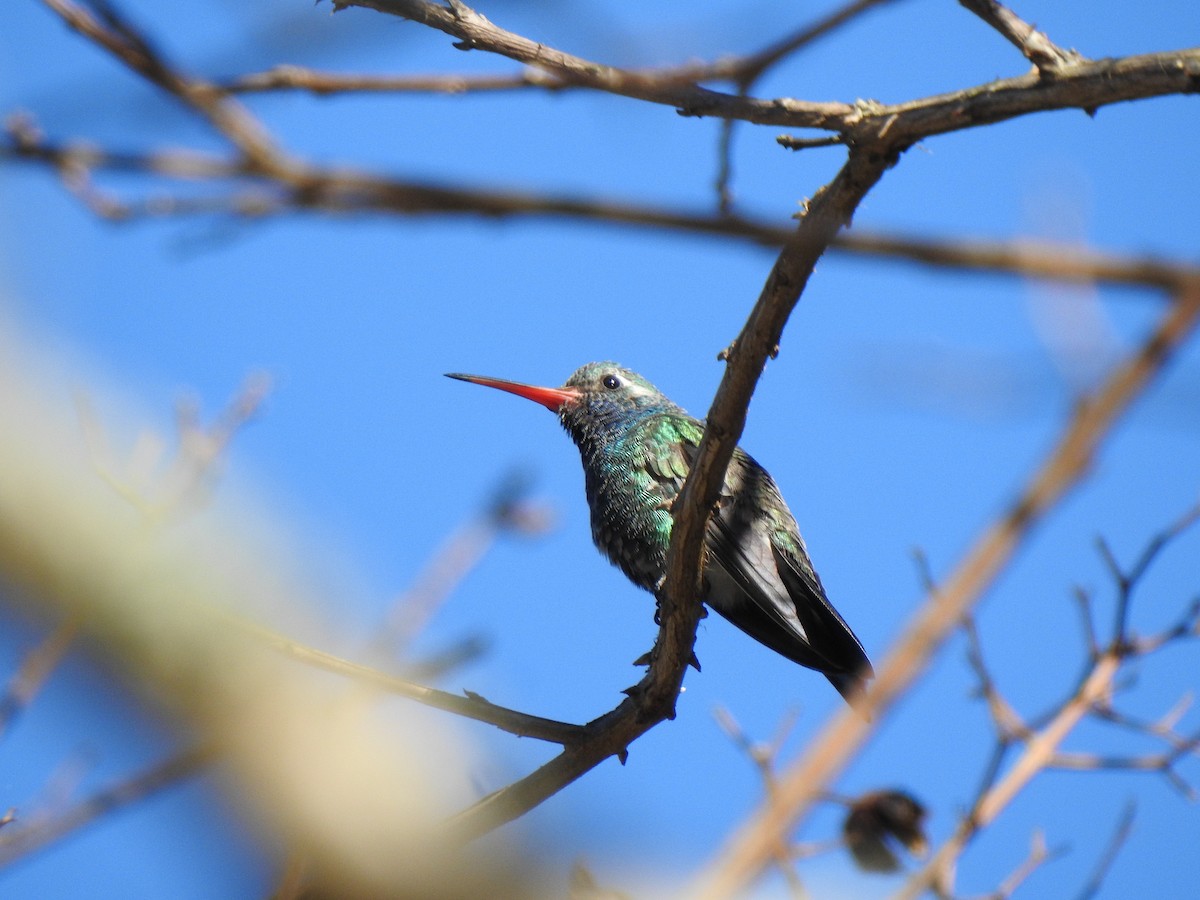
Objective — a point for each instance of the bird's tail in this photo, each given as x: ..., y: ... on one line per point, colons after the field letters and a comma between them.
x: 851, y: 686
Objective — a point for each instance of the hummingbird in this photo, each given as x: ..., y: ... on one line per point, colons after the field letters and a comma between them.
x: 637, y: 448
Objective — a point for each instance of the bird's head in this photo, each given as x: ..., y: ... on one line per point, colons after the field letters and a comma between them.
x: 596, y: 391
x: 606, y: 384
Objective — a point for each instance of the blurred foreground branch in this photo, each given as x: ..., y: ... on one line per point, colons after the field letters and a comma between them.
x: 318, y: 772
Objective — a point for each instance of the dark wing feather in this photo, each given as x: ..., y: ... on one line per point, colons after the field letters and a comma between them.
x: 769, y: 591
x: 777, y: 597
x: 825, y: 627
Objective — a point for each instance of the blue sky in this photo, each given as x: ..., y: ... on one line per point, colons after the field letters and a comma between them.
x: 906, y: 407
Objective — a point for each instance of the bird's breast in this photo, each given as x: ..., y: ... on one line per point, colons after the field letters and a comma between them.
x: 631, y: 520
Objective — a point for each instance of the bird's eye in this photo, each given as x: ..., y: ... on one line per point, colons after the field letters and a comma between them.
x: 612, y: 382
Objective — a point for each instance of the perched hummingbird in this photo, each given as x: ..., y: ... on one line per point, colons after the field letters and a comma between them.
x: 637, y: 448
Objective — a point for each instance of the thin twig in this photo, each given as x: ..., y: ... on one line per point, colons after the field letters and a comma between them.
x: 1038, y: 856
x: 1033, y: 44
x: 1084, y: 602
x: 471, y: 706
x: 119, y: 37
x: 745, y: 72
x: 323, y: 84
x: 1160, y: 541
x: 1105, y: 863
x: 35, y: 832
x: 506, y: 511
x: 748, y: 69
x: 1091, y: 697
x: 1162, y: 728
x: 1008, y: 724
x: 1038, y: 752
x: 33, y: 671
x: 763, y: 758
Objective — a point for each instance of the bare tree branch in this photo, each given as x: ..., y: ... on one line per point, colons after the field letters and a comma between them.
x: 1082, y: 85
x: 324, y: 84
x: 876, y: 136
x: 341, y: 192
x: 1092, y: 697
x: 118, y: 36
x: 1033, y: 44
x: 1039, y: 751
x: 733, y: 68
x: 1039, y: 855
x: 748, y: 850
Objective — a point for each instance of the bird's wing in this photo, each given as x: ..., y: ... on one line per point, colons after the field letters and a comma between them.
x: 668, y: 444
x: 773, y: 593
x: 781, y: 602
x: 827, y: 631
